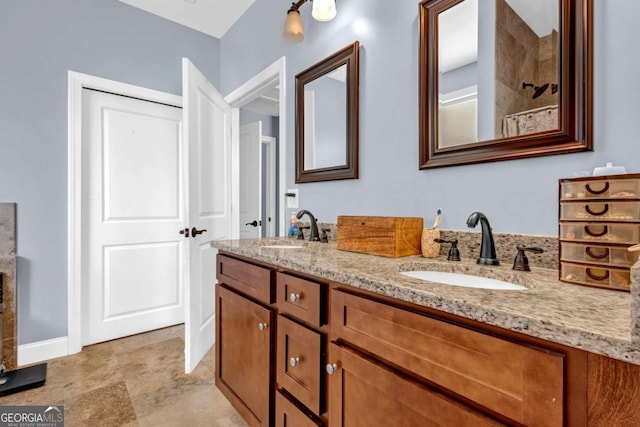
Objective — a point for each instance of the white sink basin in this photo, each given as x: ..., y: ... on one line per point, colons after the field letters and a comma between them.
x: 464, y: 280
x: 282, y: 247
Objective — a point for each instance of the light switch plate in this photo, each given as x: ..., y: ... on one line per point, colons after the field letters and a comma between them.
x: 292, y: 201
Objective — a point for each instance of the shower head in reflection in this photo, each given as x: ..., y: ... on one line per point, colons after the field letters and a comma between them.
x: 539, y: 90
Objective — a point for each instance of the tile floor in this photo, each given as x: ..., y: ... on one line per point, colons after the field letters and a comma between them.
x: 133, y: 381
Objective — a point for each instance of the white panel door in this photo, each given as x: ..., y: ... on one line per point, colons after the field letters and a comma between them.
x: 207, y: 133
x: 132, y: 206
x: 250, y: 180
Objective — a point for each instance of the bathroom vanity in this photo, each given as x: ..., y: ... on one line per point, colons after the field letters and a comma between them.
x: 312, y: 336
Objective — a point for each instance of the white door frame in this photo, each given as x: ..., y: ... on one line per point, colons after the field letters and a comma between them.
x: 242, y: 96
x: 270, y: 143
x: 77, y: 82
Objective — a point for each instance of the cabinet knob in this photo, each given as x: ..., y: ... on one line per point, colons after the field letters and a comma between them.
x: 293, y: 297
x: 331, y: 368
x: 263, y: 325
x: 294, y: 361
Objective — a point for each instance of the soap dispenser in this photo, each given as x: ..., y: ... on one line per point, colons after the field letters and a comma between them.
x: 293, y: 226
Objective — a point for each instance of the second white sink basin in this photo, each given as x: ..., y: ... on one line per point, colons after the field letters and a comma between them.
x: 464, y: 280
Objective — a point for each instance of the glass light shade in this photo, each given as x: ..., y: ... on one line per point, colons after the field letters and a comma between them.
x: 324, y: 10
x: 293, y: 28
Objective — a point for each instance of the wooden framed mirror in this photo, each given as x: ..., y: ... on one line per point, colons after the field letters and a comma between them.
x: 505, y: 79
x: 327, y: 98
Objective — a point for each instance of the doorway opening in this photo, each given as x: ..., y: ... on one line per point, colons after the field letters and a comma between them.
x: 263, y: 99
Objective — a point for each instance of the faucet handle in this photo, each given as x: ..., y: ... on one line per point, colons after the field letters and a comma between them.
x: 301, y: 229
x: 454, y: 253
x: 521, y: 262
x: 325, y: 236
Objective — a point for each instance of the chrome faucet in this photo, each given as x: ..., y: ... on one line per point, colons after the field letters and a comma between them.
x: 313, y: 235
x: 487, y: 245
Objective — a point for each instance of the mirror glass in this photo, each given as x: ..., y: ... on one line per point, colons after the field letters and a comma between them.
x: 327, y: 118
x: 509, y: 87
x: 503, y: 79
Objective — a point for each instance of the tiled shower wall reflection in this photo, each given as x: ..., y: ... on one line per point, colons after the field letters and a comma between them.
x: 8, y: 271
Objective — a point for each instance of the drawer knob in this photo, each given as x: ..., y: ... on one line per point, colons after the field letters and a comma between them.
x: 293, y: 297
x: 331, y: 368
x: 294, y: 361
x: 263, y: 325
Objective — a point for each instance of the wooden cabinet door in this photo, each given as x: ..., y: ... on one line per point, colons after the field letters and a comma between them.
x: 243, y: 355
x: 520, y: 382
x: 364, y: 393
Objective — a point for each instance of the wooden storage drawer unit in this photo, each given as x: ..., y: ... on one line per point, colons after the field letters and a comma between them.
x: 379, y: 235
x: 600, y: 211
x: 250, y: 279
x: 289, y: 415
x: 599, y: 188
x: 299, y: 362
x: 364, y: 393
x: 523, y: 383
x: 601, y: 214
x: 615, y: 278
x: 302, y: 299
x: 595, y: 254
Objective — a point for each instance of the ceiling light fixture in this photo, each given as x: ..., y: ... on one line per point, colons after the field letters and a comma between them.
x: 323, y: 10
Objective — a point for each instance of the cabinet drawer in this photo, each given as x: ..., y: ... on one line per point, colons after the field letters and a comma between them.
x: 611, y: 232
x: 600, y: 211
x: 595, y: 276
x: 600, y: 189
x: 301, y: 298
x: 248, y: 278
x: 520, y: 382
x: 289, y: 415
x: 364, y: 393
x: 299, y: 359
x: 618, y: 256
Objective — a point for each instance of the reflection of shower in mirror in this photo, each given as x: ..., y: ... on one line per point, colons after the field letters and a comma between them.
x: 539, y: 90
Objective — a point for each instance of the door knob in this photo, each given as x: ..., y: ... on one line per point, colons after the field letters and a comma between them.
x: 331, y: 368
x: 294, y: 361
x: 254, y: 223
x: 263, y: 325
x: 185, y: 232
x: 195, y: 231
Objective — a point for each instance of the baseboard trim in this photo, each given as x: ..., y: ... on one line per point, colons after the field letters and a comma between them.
x: 42, y: 350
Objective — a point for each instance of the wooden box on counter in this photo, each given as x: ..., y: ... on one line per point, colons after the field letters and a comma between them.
x: 599, y: 220
x: 391, y: 237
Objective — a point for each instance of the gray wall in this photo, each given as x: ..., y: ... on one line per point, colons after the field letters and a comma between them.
x: 517, y: 196
x: 39, y: 41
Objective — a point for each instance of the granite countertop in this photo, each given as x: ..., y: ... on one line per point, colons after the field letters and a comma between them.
x: 592, y: 319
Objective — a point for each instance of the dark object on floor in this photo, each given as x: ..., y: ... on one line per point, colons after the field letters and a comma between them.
x: 23, y: 379
x: 18, y: 379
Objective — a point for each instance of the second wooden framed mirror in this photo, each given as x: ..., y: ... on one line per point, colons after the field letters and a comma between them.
x: 327, y: 118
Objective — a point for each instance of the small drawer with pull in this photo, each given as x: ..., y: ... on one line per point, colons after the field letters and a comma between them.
x: 592, y: 275
x: 298, y: 366
x: 600, y: 211
x: 597, y: 254
x: 300, y: 298
x: 600, y: 189
x: 247, y: 278
x: 605, y: 232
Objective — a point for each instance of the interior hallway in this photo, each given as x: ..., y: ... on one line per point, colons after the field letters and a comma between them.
x: 133, y: 381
